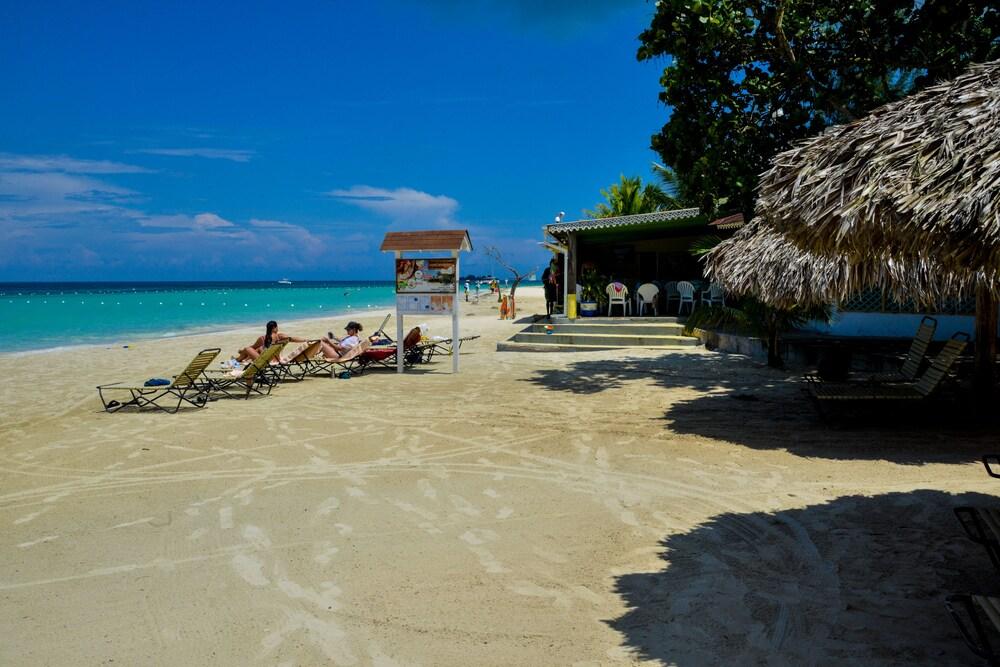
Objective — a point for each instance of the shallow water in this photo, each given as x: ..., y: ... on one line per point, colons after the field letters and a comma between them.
x: 44, y: 315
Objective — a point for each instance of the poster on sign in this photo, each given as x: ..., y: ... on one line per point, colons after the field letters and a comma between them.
x: 425, y: 304
x: 426, y: 276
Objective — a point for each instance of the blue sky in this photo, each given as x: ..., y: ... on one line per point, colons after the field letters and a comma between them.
x: 158, y: 141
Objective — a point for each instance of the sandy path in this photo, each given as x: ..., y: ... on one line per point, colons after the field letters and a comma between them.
x: 585, y: 508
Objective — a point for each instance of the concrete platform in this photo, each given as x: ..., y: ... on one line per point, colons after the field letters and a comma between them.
x: 560, y: 335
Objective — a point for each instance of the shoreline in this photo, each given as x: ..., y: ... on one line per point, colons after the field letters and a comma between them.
x: 228, y: 329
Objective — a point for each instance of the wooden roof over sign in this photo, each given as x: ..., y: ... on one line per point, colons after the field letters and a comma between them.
x: 437, y: 239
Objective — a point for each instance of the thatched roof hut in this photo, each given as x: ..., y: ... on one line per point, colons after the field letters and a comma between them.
x: 762, y: 262
x: 916, y: 178
x: 916, y: 183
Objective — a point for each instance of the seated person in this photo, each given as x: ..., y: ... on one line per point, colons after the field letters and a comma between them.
x: 271, y: 336
x: 333, y: 347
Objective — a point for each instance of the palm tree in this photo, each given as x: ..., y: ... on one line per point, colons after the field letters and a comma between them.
x: 629, y: 197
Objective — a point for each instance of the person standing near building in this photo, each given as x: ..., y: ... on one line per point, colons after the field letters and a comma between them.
x: 550, y: 282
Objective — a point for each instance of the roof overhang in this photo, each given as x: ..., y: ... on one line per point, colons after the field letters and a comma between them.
x: 435, y: 239
x: 639, y: 220
x: 734, y: 221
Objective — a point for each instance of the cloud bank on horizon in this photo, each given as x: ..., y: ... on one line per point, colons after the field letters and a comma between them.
x: 54, y: 211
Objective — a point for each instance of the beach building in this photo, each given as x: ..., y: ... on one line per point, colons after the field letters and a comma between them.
x: 656, y: 247
x: 632, y: 249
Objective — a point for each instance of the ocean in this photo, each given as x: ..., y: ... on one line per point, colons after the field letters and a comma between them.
x: 35, y: 316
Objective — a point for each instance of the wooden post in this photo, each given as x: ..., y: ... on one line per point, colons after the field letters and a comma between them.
x: 986, y: 340
x: 399, y: 323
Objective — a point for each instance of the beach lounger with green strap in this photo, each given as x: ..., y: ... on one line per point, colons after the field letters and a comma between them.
x: 186, y: 388
x: 978, y: 619
x: 922, y: 388
x: 257, y: 378
x: 982, y: 524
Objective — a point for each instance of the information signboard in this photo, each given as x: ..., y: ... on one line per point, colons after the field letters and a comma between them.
x: 425, y: 304
x: 426, y: 276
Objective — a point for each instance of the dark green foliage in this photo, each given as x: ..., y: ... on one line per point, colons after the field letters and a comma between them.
x: 753, y: 317
x: 630, y: 197
x: 747, y: 77
x: 594, y: 285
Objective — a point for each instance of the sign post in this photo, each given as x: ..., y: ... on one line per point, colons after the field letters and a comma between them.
x: 426, y: 286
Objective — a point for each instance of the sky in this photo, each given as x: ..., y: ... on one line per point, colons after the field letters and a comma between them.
x: 260, y: 140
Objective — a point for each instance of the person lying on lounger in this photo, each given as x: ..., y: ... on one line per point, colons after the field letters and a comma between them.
x: 271, y: 336
x: 333, y: 347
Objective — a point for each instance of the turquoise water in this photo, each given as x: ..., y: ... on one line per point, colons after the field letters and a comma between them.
x: 45, y: 315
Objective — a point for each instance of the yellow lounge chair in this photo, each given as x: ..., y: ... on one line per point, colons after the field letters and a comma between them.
x: 187, y: 387
x: 257, y: 377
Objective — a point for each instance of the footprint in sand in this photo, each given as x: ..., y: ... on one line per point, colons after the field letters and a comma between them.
x: 427, y: 489
x: 531, y: 589
x: 464, y: 506
x: 251, y: 569
x: 256, y: 537
x: 245, y: 496
x: 601, y: 458
x: 326, y: 554
x: 328, y: 506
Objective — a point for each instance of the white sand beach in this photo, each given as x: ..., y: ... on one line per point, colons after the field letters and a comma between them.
x: 589, y: 508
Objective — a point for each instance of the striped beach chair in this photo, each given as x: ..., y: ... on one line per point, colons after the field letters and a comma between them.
x: 186, y: 388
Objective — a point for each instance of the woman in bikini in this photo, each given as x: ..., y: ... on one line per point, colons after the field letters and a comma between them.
x: 270, y: 337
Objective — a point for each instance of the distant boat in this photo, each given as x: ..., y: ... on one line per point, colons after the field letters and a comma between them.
x: 284, y: 281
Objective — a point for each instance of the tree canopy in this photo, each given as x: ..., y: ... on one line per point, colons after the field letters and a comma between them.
x: 629, y: 197
x: 745, y: 78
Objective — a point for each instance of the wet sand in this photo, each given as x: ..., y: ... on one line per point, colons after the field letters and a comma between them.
x: 536, y: 509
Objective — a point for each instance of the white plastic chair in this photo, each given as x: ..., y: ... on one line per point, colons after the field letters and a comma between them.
x: 647, y: 295
x: 713, y: 295
x: 685, y: 291
x: 670, y: 293
x: 618, y: 295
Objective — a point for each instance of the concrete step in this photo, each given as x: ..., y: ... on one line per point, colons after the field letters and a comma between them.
x: 514, y: 346
x: 610, y: 339
x: 625, y: 328
x: 621, y: 320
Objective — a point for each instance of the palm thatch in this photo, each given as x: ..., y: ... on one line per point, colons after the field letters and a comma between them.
x: 917, y: 179
x: 761, y: 262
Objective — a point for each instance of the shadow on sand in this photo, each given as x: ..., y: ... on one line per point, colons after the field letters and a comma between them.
x: 738, y: 401
x: 859, y: 580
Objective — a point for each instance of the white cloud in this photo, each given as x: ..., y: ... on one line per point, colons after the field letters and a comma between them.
x: 404, y: 206
x: 46, y: 193
x: 65, y: 164
x: 231, y: 154
x: 56, y: 218
x: 202, y: 221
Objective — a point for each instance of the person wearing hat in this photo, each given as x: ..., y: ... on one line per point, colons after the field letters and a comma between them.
x: 339, y: 346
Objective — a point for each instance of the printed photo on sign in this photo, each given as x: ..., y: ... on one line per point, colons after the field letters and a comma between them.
x: 425, y: 276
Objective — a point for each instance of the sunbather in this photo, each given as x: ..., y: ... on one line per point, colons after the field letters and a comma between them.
x: 334, y: 347
x: 270, y: 337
